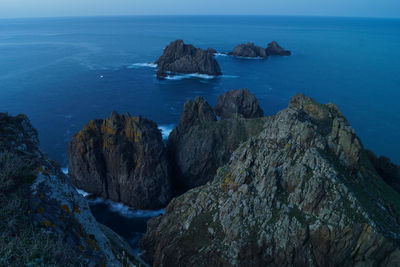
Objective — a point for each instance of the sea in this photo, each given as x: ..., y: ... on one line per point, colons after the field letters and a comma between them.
x: 64, y: 72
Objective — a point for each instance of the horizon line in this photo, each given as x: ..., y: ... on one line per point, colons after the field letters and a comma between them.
x: 195, y: 15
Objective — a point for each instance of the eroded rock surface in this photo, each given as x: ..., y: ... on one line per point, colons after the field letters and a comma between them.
x: 186, y: 59
x: 301, y: 193
x: 199, y: 144
x: 55, y: 207
x: 121, y: 158
x: 274, y: 49
x: 249, y: 50
x: 238, y: 103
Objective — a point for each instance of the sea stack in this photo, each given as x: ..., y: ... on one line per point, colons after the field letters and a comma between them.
x: 249, y: 50
x: 180, y: 58
x: 121, y: 158
x: 274, y: 49
x: 200, y: 143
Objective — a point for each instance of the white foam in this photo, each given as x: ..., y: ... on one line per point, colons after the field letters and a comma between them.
x: 125, y: 210
x: 65, y: 170
x: 177, y: 77
x: 220, y: 55
x: 81, y: 192
x: 142, y: 65
x: 256, y: 58
x: 166, y: 130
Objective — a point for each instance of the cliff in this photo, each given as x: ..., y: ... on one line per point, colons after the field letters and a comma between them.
x: 44, y: 221
x: 121, y: 158
x: 301, y: 193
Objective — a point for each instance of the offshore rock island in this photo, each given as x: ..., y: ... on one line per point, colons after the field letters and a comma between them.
x: 180, y: 58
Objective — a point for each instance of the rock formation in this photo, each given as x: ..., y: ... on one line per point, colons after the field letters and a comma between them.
x: 45, y: 222
x: 301, y: 193
x: 121, y: 158
x: 238, y: 103
x: 186, y: 59
x: 249, y: 50
x: 274, y: 49
x: 199, y: 144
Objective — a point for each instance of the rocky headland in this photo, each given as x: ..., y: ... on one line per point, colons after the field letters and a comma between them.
x: 121, y: 158
x: 181, y: 58
x: 303, y: 192
x: 200, y: 143
x: 44, y: 221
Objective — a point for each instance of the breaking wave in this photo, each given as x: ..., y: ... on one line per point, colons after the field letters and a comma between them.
x: 177, y: 77
x: 142, y: 65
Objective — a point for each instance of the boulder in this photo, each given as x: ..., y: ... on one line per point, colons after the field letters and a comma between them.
x: 301, y: 193
x: 238, y: 103
x: 186, y: 59
x: 274, y: 49
x: 199, y: 144
x: 121, y: 158
x: 45, y: 221
x: 249, y: 50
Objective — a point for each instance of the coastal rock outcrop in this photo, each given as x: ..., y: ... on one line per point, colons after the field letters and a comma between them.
x: 121, y: 158
x: 238, y: 103
x: 301, y: 193
x: 249, y: 50
x: 274, y: 49
x: 199, y: 144
x: 45, y: 222
x: 186, y: 59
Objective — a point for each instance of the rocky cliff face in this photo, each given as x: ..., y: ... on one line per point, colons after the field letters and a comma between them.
x: 238, y: 103
x: 249, y: 50
x: 199, y: 144
x: 121, y: 158
x: 301, y: 193
x: 45, y: 222
x: 181, y: 58
x: 274, y: 49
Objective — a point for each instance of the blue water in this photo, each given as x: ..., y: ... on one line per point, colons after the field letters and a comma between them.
x: 63, y: 72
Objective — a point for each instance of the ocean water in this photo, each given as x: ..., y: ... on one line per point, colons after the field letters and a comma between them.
x: 63, y: 72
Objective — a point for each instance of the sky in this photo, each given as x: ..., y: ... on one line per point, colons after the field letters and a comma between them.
x: 56, y: 8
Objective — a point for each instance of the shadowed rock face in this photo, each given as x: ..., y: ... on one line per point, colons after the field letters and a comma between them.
x: 301, y: 193
x: 121, y: 158
x: 238, y: 103
x: 249, y: 50
x: 274, y: 49
x: 387, y: 170
x: 199, y: 144
x: 54, y: 204
x: 181, y: 58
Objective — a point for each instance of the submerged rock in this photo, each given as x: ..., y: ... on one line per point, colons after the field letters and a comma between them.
x: 186, y: 59
x: 237, y: 103
x: 274, y: 49
x: 199, y: 144
x: 301, y: 193
x: 121, y: 158
x: 56, y: 226
x: 249, y: 50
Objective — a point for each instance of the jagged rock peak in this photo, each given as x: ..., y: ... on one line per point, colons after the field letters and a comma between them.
x: 249, y: 50
x: 274, y: 49
x: 195, y: 112
x: 179, y: 57
x: 300, y: 193
x: 238, y: 103
x: 121, y: 158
